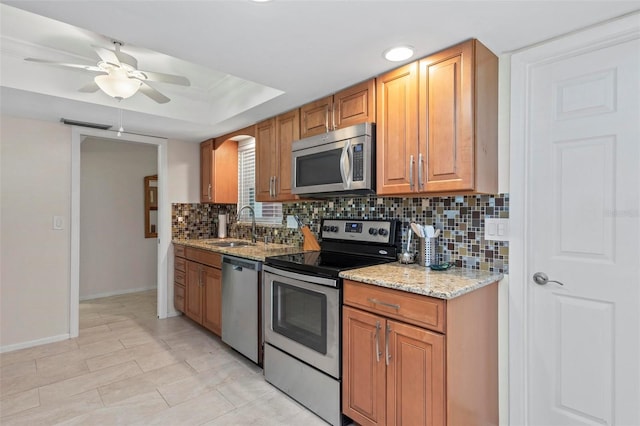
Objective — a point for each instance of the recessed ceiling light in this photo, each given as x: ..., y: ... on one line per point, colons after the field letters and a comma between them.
x: 399, y: 53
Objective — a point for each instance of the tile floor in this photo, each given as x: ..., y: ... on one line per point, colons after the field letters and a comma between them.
x: 129, y: 368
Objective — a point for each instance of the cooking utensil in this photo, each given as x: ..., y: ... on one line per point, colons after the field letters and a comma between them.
x: 310, y: 242
x: 406, y: 256
x: 419, y: 230
x: 437, y: 234
x: 430, y: 231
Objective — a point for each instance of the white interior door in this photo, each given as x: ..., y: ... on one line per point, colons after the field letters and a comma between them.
x: 581, y: 227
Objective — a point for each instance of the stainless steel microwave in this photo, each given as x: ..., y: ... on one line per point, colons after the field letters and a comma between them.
x: 341, y: 162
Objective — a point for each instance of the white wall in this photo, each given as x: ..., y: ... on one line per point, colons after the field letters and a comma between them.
x: 115, y: 257
x: 35, y: 185
x: 35, y: 182
x: 184, y: 172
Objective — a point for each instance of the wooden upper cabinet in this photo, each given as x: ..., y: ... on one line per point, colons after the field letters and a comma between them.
x: 397, y: 130
x: 273, y: 156
x: 455, y: 149
x: 287, y: 131
x: 316, y: 117
x: 206, y: 171
x: 265, y: 155
x: 459, y: 119
x: 219, y: 171
x: 356, y: 104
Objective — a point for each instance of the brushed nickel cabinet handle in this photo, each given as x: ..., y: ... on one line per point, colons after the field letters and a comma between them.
x: 377, y: 341
x: 386, y: 344
x: 388, y: 305
x: 420, y: 164
x: 411, y: 172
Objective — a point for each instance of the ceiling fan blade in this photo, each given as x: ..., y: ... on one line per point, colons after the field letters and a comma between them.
x: 89, y: 88
x: 166, y: 78
x: 153, y: 93
x: 108, y: 56
x: 65, y: 65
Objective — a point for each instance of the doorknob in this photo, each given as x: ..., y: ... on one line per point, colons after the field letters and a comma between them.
x: 541, y: 278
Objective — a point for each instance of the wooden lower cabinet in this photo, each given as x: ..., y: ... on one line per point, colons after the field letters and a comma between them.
x: 212, y: 299
x: 393, y: 372
x: 405, y: 365
x: 198, y: 290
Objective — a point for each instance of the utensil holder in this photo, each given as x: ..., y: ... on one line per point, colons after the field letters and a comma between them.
x: 427, y: 251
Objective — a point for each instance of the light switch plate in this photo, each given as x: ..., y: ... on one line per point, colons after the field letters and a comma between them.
x: 496, y: 229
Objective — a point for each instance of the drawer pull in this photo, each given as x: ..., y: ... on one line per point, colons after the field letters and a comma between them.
x: 388, y: 305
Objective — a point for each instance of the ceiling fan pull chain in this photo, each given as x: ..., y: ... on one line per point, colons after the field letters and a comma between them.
x: 121, y: 129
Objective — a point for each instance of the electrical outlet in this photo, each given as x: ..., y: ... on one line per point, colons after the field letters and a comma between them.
x: 58, y: 223
x: 496, y: 229
x: 291, y: 222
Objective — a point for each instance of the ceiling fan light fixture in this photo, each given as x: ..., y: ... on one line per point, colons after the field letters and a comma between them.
x: 117, y: 84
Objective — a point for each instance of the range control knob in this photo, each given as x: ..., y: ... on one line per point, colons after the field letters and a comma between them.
x: 334, y: 229
x: 326, y: 228
x: 373, y: 231
x: 383, y: 232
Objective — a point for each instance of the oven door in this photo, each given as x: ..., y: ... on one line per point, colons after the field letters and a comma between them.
x: 302, y: 317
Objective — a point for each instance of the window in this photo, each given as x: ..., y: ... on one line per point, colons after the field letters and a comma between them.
x: 266, y: 213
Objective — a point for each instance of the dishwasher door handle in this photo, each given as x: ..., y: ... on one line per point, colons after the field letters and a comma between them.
x: 237, y: 268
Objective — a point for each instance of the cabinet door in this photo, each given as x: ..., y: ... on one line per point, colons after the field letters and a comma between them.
x: 397, y: 130
x: 287, y: 131
x: 363, y: 381
x: 225, y: 172
x: 212, y: 299
x: 356, y: 104
x: 193, y: 303
x: 315, y: 117
x: 206, y: 171
x: 446, y: 119
x: 415, y: 375
x: 265, y: 159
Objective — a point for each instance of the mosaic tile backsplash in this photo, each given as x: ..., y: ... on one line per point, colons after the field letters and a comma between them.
x: 460, y: 219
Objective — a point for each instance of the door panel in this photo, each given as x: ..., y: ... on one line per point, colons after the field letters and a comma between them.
x: 583, y: 345
x: 193, y: 307
x: 363, y: 382
x: 415, y: 376
x: 212, y: 297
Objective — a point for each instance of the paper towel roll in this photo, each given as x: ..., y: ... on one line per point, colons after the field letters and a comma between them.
x: 222, y: 226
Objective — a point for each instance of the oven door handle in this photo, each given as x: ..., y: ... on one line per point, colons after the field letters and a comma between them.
x: 346, y: 160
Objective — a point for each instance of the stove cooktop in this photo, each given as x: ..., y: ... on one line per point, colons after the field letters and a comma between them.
x: 323, y: 262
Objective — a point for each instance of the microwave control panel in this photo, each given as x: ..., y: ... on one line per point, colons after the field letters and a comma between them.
x: 358, y: 162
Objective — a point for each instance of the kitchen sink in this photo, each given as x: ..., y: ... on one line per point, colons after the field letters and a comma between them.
x: 230, y: 243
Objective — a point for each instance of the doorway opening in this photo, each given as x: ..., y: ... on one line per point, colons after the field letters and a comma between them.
x: 79, y: 136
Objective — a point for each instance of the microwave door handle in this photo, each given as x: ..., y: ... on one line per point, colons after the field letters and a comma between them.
x: 345, y: 165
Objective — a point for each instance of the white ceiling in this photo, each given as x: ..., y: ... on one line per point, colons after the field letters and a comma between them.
x: 247, y: 61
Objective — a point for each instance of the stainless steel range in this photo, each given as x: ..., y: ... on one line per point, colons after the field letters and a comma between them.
x: 302, y: 310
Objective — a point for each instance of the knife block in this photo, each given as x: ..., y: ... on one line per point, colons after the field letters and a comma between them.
x: 310, y: 242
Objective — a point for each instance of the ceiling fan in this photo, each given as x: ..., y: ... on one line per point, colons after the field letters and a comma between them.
x: 119, y: 75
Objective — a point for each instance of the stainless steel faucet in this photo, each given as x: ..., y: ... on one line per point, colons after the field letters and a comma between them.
x: 253, y: 222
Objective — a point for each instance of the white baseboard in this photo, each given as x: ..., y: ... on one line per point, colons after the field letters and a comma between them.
x: 32, y: 343
x: 116, y: 293
x: 173, y: 314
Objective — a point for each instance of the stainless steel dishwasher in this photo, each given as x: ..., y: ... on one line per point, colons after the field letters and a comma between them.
x: 240, y: 305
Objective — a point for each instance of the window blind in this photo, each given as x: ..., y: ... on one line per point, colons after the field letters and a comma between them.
x: 266, y: 213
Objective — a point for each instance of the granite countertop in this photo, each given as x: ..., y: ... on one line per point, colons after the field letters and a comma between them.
x: 418, y: 279
x: 257, y: 251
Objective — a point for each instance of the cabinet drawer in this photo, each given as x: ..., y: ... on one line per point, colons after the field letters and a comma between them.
x: 178, y: 297
x: 178, y: 277
x: 180, y: 264
x: 179, y: 250
x: 206, y: 257
x: 423, y: 311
